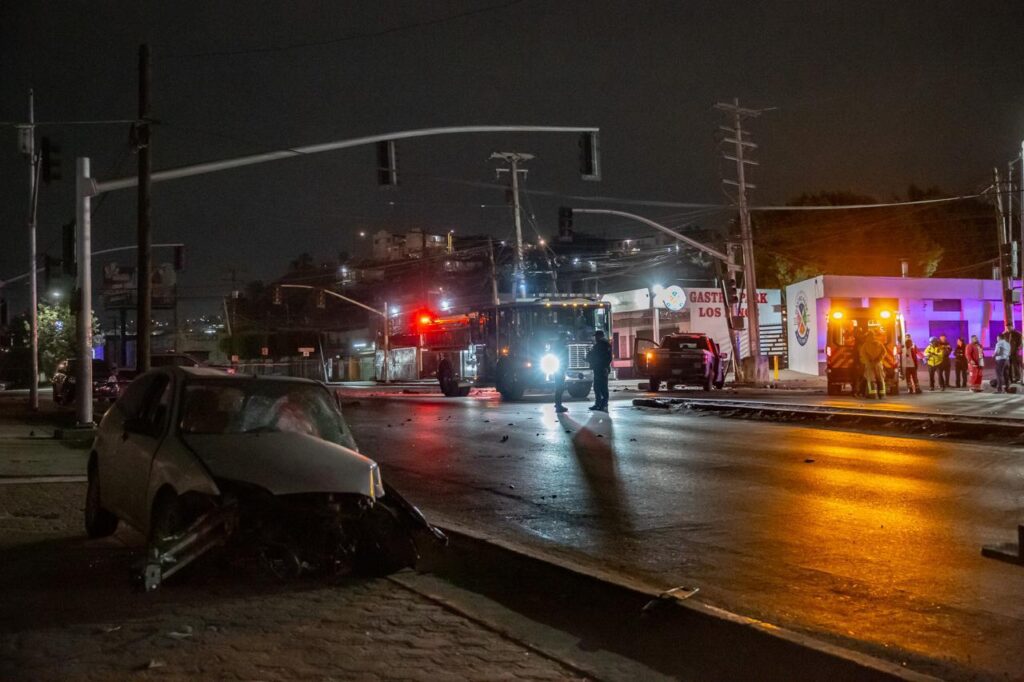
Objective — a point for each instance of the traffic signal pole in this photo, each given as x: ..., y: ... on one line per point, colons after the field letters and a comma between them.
x: 83, y: 223
x: 87, y: 187
x: 144, y: 294
x: 33, y: 194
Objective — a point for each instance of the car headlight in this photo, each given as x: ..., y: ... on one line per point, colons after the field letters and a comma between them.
x: 549, y: 364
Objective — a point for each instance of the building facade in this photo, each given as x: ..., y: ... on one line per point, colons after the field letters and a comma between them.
x: 957, y: 308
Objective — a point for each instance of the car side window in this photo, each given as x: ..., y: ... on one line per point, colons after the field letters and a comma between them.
x: 158, y: 407
x: 132, y: 401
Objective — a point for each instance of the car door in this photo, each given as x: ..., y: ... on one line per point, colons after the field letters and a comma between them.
x: 114, y: 478
x: 139, y: 443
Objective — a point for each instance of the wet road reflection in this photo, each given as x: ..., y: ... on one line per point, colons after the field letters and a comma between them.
x: 869, y: 540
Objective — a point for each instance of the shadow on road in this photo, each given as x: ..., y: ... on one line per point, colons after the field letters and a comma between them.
x: 593, y: 445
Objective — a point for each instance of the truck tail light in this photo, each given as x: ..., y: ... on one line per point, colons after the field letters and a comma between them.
x: 828, y: 351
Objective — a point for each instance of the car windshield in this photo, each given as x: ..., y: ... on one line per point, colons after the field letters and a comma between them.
x: 259, y: 407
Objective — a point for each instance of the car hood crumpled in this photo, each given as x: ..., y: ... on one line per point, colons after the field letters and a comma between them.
x: 286, y: 463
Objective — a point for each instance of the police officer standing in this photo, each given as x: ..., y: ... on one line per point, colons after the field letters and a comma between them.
x: 600, y: 359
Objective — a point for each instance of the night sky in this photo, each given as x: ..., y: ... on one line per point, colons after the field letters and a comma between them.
x: 871, y: 96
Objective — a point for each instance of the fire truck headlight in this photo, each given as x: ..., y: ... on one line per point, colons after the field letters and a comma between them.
x: 885, y: 314
x: 837, y: 315
x: 549, y: 364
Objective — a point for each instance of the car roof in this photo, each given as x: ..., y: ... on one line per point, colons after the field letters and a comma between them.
x: 220, y: 375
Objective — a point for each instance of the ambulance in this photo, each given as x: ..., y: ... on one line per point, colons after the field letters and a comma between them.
x: 845, y: 327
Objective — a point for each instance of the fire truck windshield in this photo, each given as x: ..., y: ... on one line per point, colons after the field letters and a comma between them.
x: 550, y: 322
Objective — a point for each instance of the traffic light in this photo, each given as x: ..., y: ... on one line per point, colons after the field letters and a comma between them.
x: 729, y: 288
x: 179, y: 258
x: 590, y: 160
x: 387, y: 164
x: 1009, y: 254
x: 276, y: 295
x: 321, y: 299
x: 49, y: 270
x: 67, y: 250
x: 49, y: 156
x: 564, y: 219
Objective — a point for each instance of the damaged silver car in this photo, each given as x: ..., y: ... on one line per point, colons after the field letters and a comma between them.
x: 194, y: 459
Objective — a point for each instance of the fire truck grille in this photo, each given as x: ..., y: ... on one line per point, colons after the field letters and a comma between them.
x: 578, y: 356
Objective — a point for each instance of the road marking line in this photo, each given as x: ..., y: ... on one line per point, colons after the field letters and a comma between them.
x: 13, y: 480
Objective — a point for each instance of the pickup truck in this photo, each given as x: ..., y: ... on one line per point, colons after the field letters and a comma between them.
x: 681, y: 359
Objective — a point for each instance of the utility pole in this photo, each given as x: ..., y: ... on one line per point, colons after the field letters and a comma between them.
x: 144, y: 299
x: 494, y: 274
x: 513, y: 159
x: 29, y: 150
x: 1004, y: 265
x: 757, y: 367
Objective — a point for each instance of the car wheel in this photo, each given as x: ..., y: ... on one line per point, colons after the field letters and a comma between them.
x: 446, y: 378
x: 708, y: 382
x: 169, y: 522
x: 579, y: 390
x: 655, y: 384
x: 99, y: 523
x: 385, y: 545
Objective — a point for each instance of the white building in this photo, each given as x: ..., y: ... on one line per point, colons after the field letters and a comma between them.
x: 930, y: 307
x: 685, y: 309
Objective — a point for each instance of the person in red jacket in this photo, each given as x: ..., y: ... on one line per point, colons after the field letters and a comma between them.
x: 975, y: 364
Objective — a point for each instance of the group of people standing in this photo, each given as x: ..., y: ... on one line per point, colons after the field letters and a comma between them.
x: 966, y: 360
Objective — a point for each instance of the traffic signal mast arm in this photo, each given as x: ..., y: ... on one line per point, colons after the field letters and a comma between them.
x: 714, y: 253
x: 336, y: 295
x: 100, y: 186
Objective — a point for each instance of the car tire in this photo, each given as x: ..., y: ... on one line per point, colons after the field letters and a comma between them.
x: 579, y: 390
x: 654, y: 385
x: 99, y: 523
x: 169, y: 518
x: 446, y: 378
x: 509, y: 386
x: 386, y: 545
x: 708, y: 381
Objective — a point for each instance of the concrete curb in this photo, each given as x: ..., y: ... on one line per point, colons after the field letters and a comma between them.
x: 680, y: 637
x: 945, y: 425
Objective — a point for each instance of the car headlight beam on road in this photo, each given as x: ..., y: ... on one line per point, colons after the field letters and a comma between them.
x: 549, y: 364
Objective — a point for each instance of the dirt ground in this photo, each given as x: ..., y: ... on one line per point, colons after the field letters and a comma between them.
x: 68, y: 612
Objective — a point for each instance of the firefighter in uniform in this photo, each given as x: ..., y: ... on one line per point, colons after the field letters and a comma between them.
x: 872, y: 353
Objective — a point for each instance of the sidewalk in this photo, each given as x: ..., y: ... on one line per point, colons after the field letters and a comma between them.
x: 70, y: 611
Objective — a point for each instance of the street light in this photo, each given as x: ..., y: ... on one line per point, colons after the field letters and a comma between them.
x: 655, y: 317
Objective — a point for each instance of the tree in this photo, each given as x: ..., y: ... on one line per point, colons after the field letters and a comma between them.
x: 58, y: 335
x: 947, y: 238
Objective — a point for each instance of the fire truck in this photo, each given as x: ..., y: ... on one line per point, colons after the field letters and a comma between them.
x: 842, y: 346
x: 512, y: 346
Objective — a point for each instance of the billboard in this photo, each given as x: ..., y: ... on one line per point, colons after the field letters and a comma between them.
x: 120, y: 286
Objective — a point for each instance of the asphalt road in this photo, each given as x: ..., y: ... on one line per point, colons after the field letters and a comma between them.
x: 870, y: 541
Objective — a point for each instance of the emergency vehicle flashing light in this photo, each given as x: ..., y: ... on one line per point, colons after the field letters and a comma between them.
x: 837, y: 315
x: 885, y: 314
